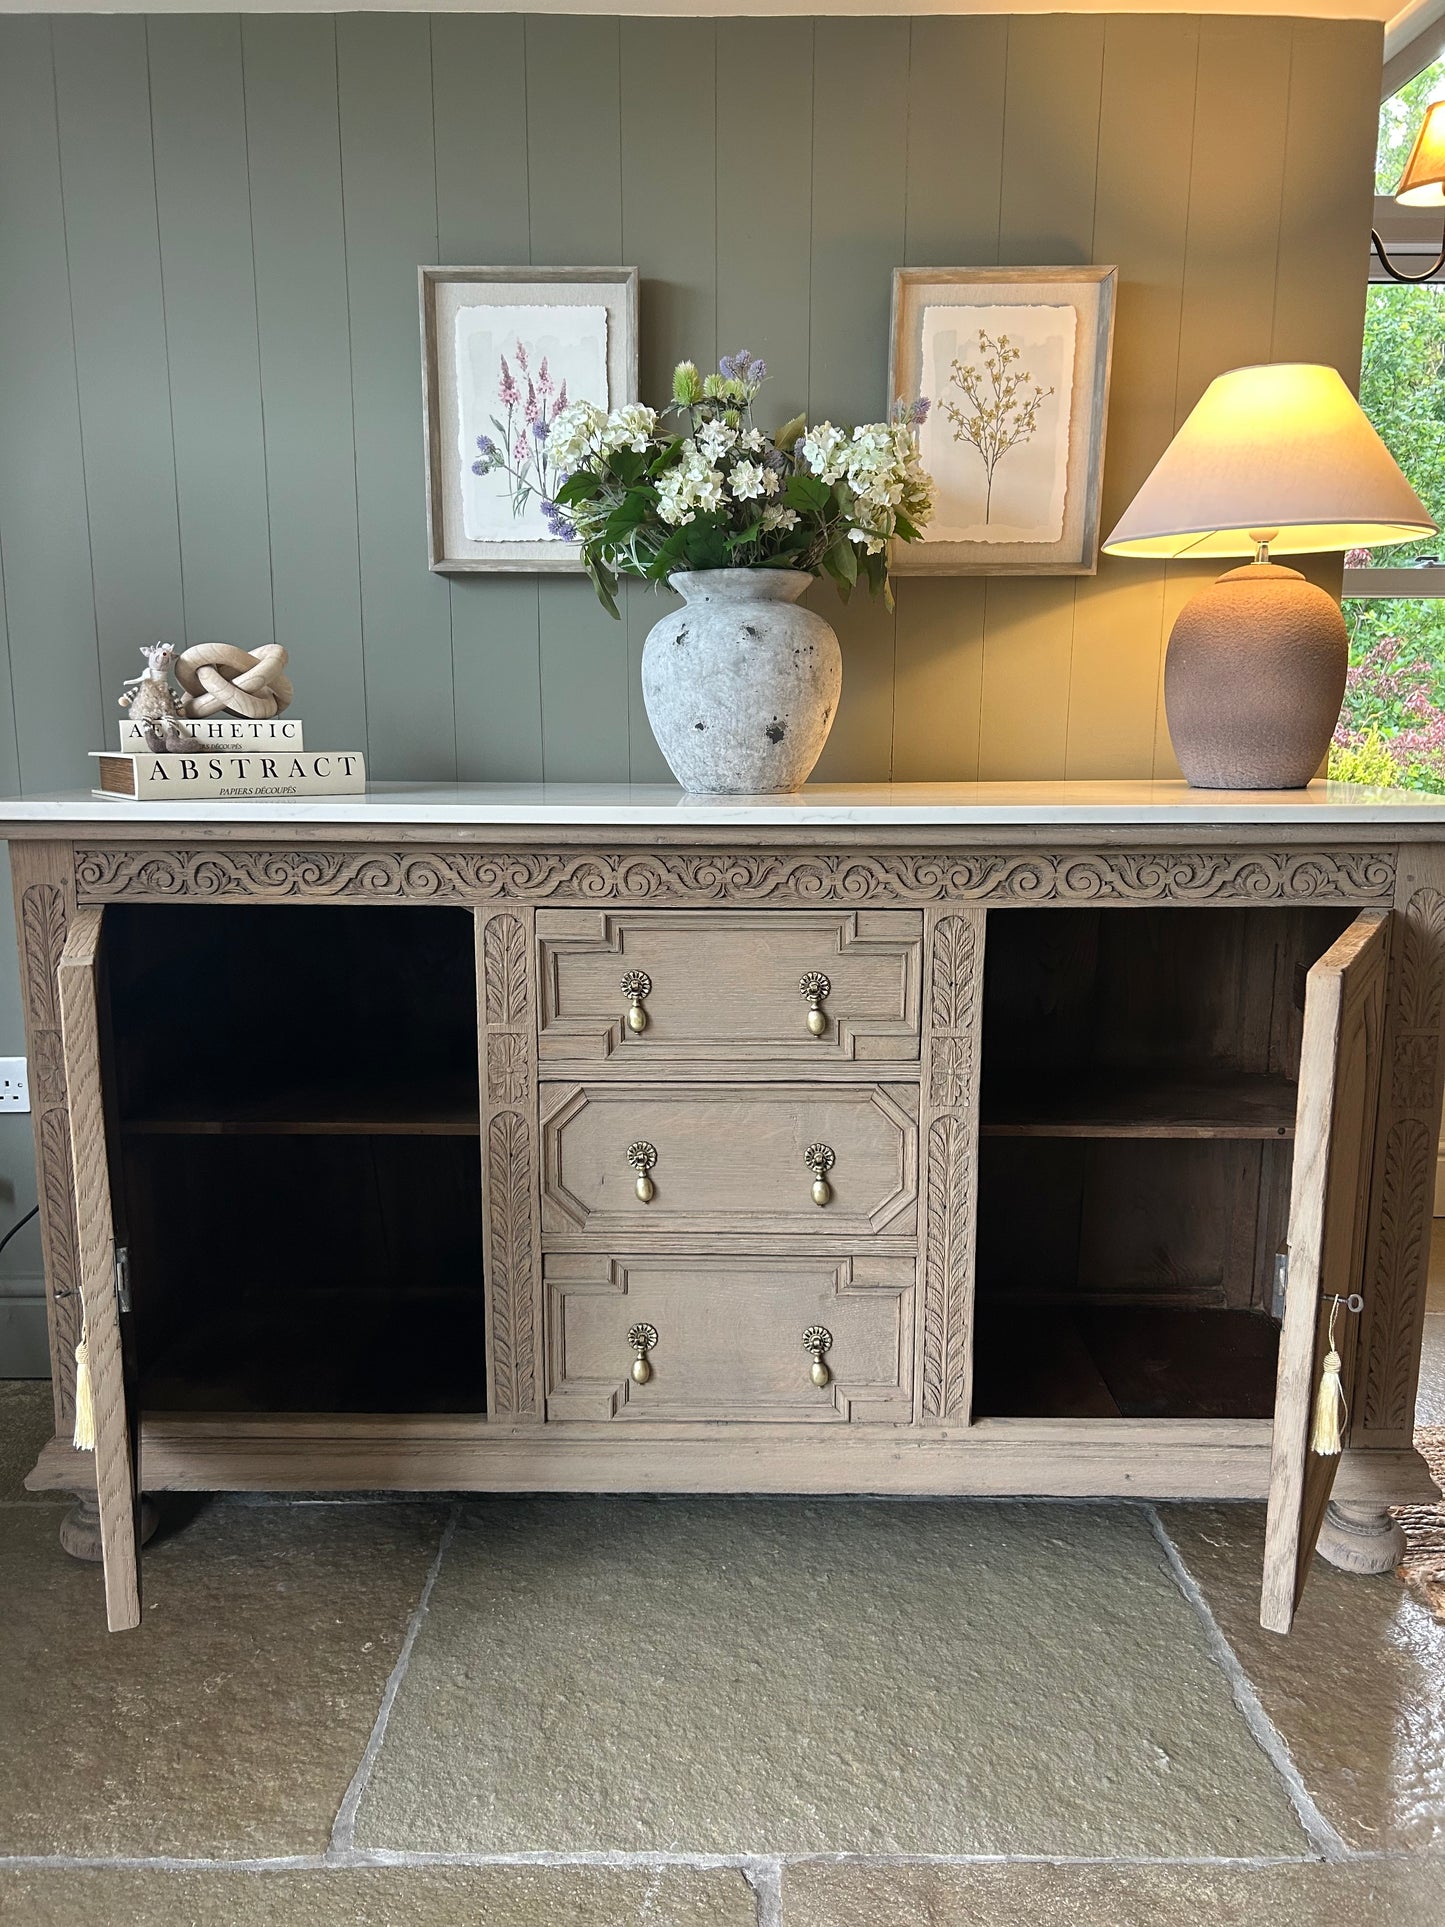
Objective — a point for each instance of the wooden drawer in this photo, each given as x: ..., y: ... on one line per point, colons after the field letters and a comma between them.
x: 730, y: 1337
x: 729, y: 1158
x: 725, y: 984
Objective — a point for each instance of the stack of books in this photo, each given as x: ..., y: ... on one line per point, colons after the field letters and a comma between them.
x: 238, y: 760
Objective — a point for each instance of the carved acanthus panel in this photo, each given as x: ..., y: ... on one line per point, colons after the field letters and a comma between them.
x: 509, y: 1165
x: 955, y: 992
x: 801, y: 876
x: 1405, y: 1169
x: 42, y: 938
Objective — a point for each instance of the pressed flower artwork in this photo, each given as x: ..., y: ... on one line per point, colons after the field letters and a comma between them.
x: 517, y: 370
x: 506, y: 352
x: 997, y: 438
x: 1014, y: 366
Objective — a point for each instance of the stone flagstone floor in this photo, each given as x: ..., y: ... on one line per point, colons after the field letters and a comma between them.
x: 709, y: 1713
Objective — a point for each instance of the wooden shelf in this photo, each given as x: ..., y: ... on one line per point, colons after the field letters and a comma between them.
x: 421, y: 1108
x: 1123, y: 1105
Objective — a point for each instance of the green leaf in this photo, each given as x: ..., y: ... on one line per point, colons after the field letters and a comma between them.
x: 580, y: 486
x: 790, y: 433
x: 744, y: 536
x: 627, y: 466
x: 806, y: 493
x: 906, y: 529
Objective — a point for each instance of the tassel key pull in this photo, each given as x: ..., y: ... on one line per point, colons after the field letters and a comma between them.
x: 1331, y: 1407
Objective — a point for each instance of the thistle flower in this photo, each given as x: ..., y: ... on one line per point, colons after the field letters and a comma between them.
x: 507, y: 391
x: 686, y: 384
x: 488, y: 455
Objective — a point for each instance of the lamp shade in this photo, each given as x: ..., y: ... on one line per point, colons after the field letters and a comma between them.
x: 1423, y: 182
x: 1283, y: 450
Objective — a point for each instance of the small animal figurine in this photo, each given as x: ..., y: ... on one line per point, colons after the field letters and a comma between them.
x: 153, y: 704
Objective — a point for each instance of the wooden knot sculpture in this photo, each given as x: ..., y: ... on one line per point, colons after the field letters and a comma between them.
x: 218, y: 677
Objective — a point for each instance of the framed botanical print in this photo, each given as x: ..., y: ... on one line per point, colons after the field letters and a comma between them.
x: 504, y: 350
x: 1014, y: 365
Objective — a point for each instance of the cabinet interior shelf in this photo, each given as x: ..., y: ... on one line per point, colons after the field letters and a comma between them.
x: 354, y: 1108
x: 1121, y: 1105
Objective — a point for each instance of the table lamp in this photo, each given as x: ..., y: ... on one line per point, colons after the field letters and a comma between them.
x: 1277, y: 458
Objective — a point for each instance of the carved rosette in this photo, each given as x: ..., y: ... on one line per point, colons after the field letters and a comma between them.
x: 509, y: 1167
x: 955, y: 989
x: 738, y: 876
x: 42, y: 938
x: 1406, y: 1170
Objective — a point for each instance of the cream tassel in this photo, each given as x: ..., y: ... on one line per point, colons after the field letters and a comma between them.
x: 1326, y: 1434
x: 1329, y: 1409
x: 84, y: 1439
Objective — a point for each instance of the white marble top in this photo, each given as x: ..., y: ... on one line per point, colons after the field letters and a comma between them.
x: 855, y: 805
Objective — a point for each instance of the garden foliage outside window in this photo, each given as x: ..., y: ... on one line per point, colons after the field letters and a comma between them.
x: 1392, y: 727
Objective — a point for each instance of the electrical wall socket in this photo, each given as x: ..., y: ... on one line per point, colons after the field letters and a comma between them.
x: 14, y: 1084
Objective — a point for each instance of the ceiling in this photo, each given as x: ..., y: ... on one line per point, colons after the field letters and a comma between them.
x: 1408, y: 18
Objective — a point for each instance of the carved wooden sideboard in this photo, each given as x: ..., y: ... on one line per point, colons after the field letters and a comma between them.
x: 1010, y: 1139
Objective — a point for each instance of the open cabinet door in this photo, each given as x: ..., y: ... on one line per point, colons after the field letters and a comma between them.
x: 95, y: 1233
x: 1329, y: 1200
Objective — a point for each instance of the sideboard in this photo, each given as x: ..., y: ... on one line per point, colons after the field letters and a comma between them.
x: 959, y: 1140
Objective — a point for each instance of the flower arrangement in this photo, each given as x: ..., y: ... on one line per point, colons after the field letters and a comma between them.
x: 718, y: 493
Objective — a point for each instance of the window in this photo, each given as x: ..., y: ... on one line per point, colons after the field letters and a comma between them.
x: 1392, y: 726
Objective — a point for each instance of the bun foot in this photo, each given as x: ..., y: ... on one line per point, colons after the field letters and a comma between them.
x: 80, y: 1528
x: 1361, y: 1539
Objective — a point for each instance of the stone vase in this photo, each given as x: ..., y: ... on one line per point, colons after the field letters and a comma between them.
x: 741, y: 685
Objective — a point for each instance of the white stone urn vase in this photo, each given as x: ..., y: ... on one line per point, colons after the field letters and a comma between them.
x: 741, y: 685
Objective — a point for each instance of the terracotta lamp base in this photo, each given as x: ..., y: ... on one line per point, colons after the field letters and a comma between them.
x: 1253, y: 680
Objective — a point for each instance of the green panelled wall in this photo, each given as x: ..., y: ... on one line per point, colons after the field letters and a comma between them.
x: 210, y: 395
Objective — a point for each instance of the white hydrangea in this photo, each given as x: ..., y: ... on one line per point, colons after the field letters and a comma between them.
x: 776, y: 518
x: 747, y: 479
x: 691, y: 487
x: 628, y: 427
x: 716, y: 439
x: 750, y: 441
x: 573, y: 434
x: 823, y: 452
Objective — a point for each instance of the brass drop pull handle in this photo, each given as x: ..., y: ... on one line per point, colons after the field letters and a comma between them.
x: 820, y: 1159
x: 815, y: 987
x: 642, y: 1156
x: 636, y: 984
x: 642, y: 1339
x: 817, y: 1339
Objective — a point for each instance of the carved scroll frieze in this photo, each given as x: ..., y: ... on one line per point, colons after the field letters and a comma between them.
x: 508, y: 1057
x: 739, y: 876
x: 955, y: 987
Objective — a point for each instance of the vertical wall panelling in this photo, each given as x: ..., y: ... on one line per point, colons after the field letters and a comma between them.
x: 1326, y: 202
x: 1146, y: 131
x: 298, y: 244
x: 1232, y: 232
x: 479, y: 84
x: 1053, y: 92
x: 955, y: 177
x: 103, y: 89
x: 204, y: 208
x: 388, y: 173
x: 238, y: 248
x: 670, y: 190
x: 44, y: 540
x: 574, y: 150
x: 859, y: 211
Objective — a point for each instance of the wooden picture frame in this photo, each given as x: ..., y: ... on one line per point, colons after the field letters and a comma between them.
x: 596, y: 355
x: 1004, y: 331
